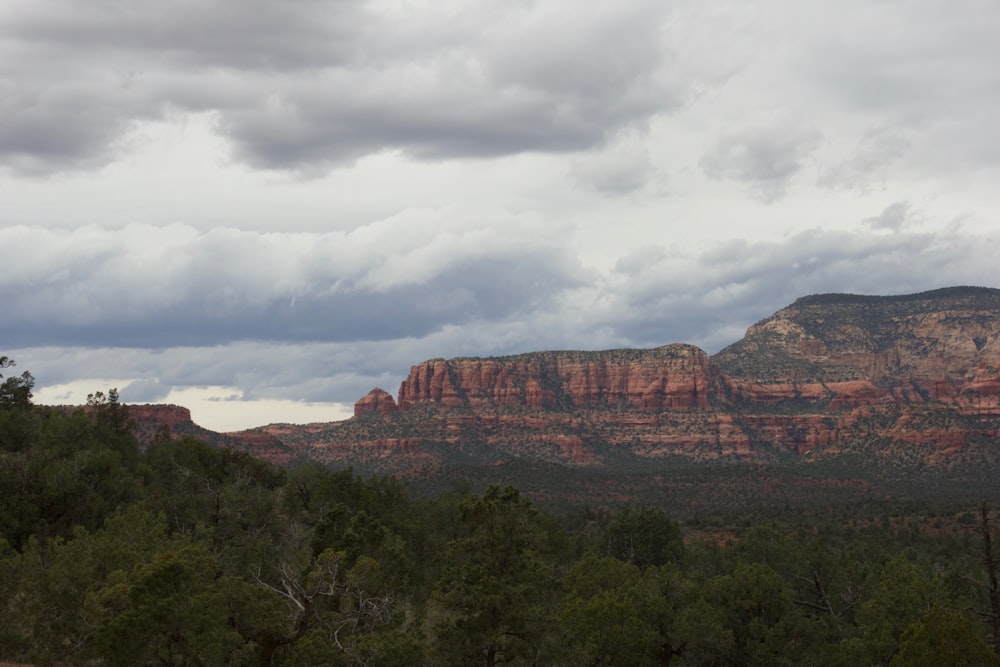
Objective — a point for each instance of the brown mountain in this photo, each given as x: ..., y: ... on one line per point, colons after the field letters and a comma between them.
x: 151, y: 421
x: 913, y: 378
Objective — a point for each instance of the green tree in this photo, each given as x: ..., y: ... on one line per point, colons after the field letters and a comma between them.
x: 943, y: 637
x: 644, y: 537
x: 614, y: 614
x: 330, y: 604
x: 173, y: 610
x: 358, y: 534
x: 491, y: 604
x: 992, y: 563
x: 686, y: 626
x: 229, y: 498
x: 72, y: 472
x: 58, y: 580
x: 754, y: 602
x: 15, y: 392
x: 602, y: 616
x: 906, y: 591
x: 17, y: 418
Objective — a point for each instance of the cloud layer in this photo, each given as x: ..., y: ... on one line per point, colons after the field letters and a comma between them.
x: 298, y: 200
x: 314, y: 84
x: 327, y: 317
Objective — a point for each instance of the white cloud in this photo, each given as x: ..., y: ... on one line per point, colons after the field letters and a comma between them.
x: 222, y: 409
x: 622, y: 167
x: 652, y: 297
x: 894, y: 218
x: 765, y: 154
x: 145, y: 285
x: 296, y: 201
x: 314, y: 85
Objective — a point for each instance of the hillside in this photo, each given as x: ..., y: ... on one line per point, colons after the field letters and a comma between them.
x: 910, y: 380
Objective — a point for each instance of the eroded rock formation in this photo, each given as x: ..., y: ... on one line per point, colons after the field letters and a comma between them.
x: 826, y: 374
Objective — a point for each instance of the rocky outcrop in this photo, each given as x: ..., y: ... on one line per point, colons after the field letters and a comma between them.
x: 171, y: 416
x: 258, y: 442
x: 913, y: 375
x: 921, y: 347
x: 825, y: 374
x: 675, y: 377
x: 376, y: 401
x: 154, y: 421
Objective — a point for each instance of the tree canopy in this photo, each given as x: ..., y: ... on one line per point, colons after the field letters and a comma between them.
x: 186, y: 554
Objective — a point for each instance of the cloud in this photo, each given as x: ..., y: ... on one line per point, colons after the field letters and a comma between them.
x: 894, y: 218
x: 764, y: 155
x: 654, y: 296
x: 314, y: 84
x: 868, y: 161
x: 258, y: 34
x: 913, y: 80
x: 469, y: 178
x: 622, y: 167
x: 147, y: 390
x: 147, y: 286
x: 705, y: 299
x: 891, y: 60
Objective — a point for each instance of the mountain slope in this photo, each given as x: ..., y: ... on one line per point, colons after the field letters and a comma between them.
x: 912, y: 378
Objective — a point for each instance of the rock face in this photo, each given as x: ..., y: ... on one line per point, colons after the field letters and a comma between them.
x: 377, y: 401
x: 171, y: 416
x: 675, y: 377
x: 153, y: 421
x: 857, y: 350
x: 915, y: 376
x: 150, y: 421
x: 828, y: 373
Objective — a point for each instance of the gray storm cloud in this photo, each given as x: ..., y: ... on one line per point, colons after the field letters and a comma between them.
x: 311, y: 85
x: 159, y: 286
x: 299, y: 199
x: 652, y: 297
x: 315, y: 84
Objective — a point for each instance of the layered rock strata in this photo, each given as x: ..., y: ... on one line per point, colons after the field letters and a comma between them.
x: 826, y: 374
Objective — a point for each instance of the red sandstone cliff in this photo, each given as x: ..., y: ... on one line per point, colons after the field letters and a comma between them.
x: 917, y: 375
x: 152, y: 421
x: 825, y: 374
x: 675, y: 377
x: 377, y: 400
x: 171, y: 416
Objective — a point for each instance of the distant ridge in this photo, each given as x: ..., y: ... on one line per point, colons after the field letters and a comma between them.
x: 912, y: 379
x: 941, y: 293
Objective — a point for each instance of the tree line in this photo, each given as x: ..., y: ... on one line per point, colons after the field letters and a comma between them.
x: 185, y: 554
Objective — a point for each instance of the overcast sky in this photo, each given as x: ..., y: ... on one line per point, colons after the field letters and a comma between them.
x: 263, y: 209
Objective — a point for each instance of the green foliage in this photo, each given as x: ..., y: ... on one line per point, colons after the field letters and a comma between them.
x: 905, y: 592
x: 644, y: 537
x: 755, y: 603
x: 492, y: 599
x: 943, y: 637
x: 602, y: 615
x: 613, y: 614
x: 74, y: 472
x: 389, y: 649
x: 15, y: 392
x: 65, y: 585
x: 185, y: 554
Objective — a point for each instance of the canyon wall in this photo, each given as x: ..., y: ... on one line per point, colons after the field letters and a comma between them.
x: 910, y: 375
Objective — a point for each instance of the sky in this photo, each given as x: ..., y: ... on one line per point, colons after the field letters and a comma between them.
x: 263, y: 209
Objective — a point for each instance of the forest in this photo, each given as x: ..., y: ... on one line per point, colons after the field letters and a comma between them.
x: 181, y: 553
